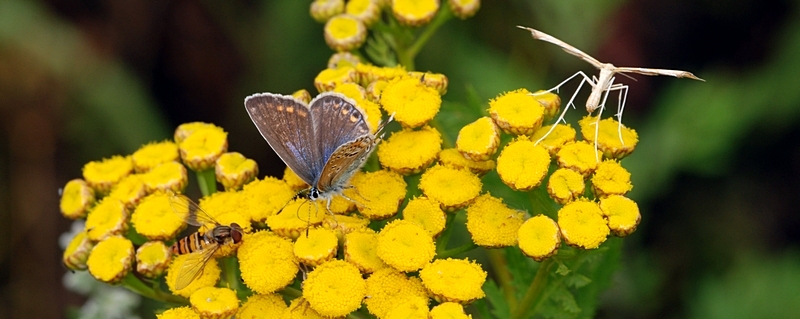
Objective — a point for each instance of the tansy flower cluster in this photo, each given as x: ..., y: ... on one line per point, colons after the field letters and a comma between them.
x: 383, y: 248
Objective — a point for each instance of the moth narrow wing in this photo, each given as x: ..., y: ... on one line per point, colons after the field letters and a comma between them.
x: 539, y: 35
x: 647, y: 71
x: 286, y: 124
x: 197, y: 216
x: 193, y: 265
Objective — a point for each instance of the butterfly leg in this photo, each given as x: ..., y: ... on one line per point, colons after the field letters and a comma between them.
x: 560, y: 119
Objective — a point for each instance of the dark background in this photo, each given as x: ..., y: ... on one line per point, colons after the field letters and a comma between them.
x: 716, y: 173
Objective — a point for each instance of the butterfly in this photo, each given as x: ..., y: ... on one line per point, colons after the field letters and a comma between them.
x: 324, y: 142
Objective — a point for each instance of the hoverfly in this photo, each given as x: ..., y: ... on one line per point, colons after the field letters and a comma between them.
x: 200, y: 246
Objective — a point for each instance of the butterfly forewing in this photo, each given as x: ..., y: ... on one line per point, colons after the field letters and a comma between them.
x: 286, y: 124
x: 194, y: 264
x: 196, y: 215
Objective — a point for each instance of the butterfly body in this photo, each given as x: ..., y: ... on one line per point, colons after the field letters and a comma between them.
x: 324, y: 142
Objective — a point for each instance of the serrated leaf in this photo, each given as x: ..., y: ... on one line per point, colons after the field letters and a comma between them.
x: 566, y: 300
x: 562, y: 269
x: 577, y: 281
x: 496, y: 298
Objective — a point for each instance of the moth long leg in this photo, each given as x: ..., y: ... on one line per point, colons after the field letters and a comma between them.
x: 623, y: 97
x: 560, y: 119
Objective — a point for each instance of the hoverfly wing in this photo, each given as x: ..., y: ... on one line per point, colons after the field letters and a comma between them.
x: 193, y: 265
x: 196, y: 215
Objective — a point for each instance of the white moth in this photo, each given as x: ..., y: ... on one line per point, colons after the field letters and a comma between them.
x: 603, y: 83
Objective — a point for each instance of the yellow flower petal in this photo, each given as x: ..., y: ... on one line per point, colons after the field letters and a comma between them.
x: 330, y: 78
x: 560, y: 135
x: 130, y: 190
x: 539, y: 237
x: 463, y: 9
x: 156, y: 219
x: 267, y: 262
x: 611, y: 178
x: 491, y: 223
x: 262, y: 306
x: 335, y: 288
x: 449, y: 310
x: 317, y: 247
x: 412, y: 103
x: 388, y: 288
x: 263, y: 198
x: 622, y: 214
x: 582, y: 224
x: 152, y: 259
x: 77, y: 252
x: 102, y: 175
x: 322, y: 10
x: 379, y: 193
x: 414, y: 13
x: 154, y: 154
x: 478, y: 140
x: 578, y: 156
x: 453, y: 280
x: 107, y: 218
x: 234, y: 170
x: 213, y: 302
x: 361, y: 249
x: 111, y: 259
x: 410, y: 151
x: 523, y: 165
x: 427, y: 213
x: 451, y: 187
x: 616, y: 140
x: 179, y: 313
x: 201, y: 149
x: 76, y: 199
x: 517, y: 112
x: 169, y: 176
x: 345, y: 32
x: 452, y: 158
x: 565, y: 185
x: 405, y: 245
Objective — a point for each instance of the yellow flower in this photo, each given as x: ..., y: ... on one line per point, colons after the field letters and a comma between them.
x: 517, y: 112
x: 611, y: 178
x: 335, y: 288
x: 201, y: 149
x: 522, y: 165
x: 565, y: 185
x: 410, y: 151
x: 616, y: 140
x: 561, y: 134
x: 207, y: 277
x: 226, y: 207
x: 449, y: 310
x: 582, y: 224
x: 267, y: 262
x: 341, y: 205
x: 129, y: 190
x: 361, y: 250
x: 342, y: 224
x: 425, y: 212
x: 294, y: 181
x: 234, y: 170
x: 298, y: 216
x: 345, y: 32
x: 464, y: 9
x: 108, y: 218
x: 318, y: 247
x: 388, y: 288
x: 341, y: 59
x: 368, y: 11
x: 263, y: 198
x: 170, y: 176
x: 539, y: 237
x: 262, y: 306
x: 405, y: 245
x: 453, y: 280
x: 491, y: 223
x: 379, y: 193
x: 351, y: 90
x: 436, y: 81
x: 302, y: 95
x: 414, y: 13
x: 578, y: 156
x: 452, y: 188
x: 622, y: 214
x: 478, y: 140
x: 322, y: 10
x: 77, y: 252
x: 102, y: 175
x: 154, y: 154
x: 76, y: 199
x: 451, y: 157
x: 184, y: 130
x: 213, y: 302
x: 368, y: 73
x: 550, y: 101
x: 412, y: 103
x: 179, y: 313
x: 300, y: 309
x: 373, y: 112
x: 111, y: 259
x: 156, y: 219
x: 152, y: 259
x: 375, y: 89
x: 328, y: 79
x: 413, y: 308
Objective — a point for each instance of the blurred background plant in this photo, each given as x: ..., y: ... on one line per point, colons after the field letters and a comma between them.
x: 716, y: 171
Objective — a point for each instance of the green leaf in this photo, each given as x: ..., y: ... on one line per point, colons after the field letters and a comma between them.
x: 495, y: 297
x: 577, y: 281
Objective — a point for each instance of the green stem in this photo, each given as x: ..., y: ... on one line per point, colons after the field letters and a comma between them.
x: 455, y: 251
x: 229, y: 269
x: 291, y: 292
x: 503, y: 276
x: 441, y: 242
x: 442, y: 16
x: 207, y: 181
x: 134, y: 284
x: 533, y: 296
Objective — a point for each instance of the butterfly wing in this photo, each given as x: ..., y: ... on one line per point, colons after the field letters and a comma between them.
x: 286, y: 123
x: 342, y: 136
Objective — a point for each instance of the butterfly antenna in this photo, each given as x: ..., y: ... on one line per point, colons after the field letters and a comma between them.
x: 301, y: 194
